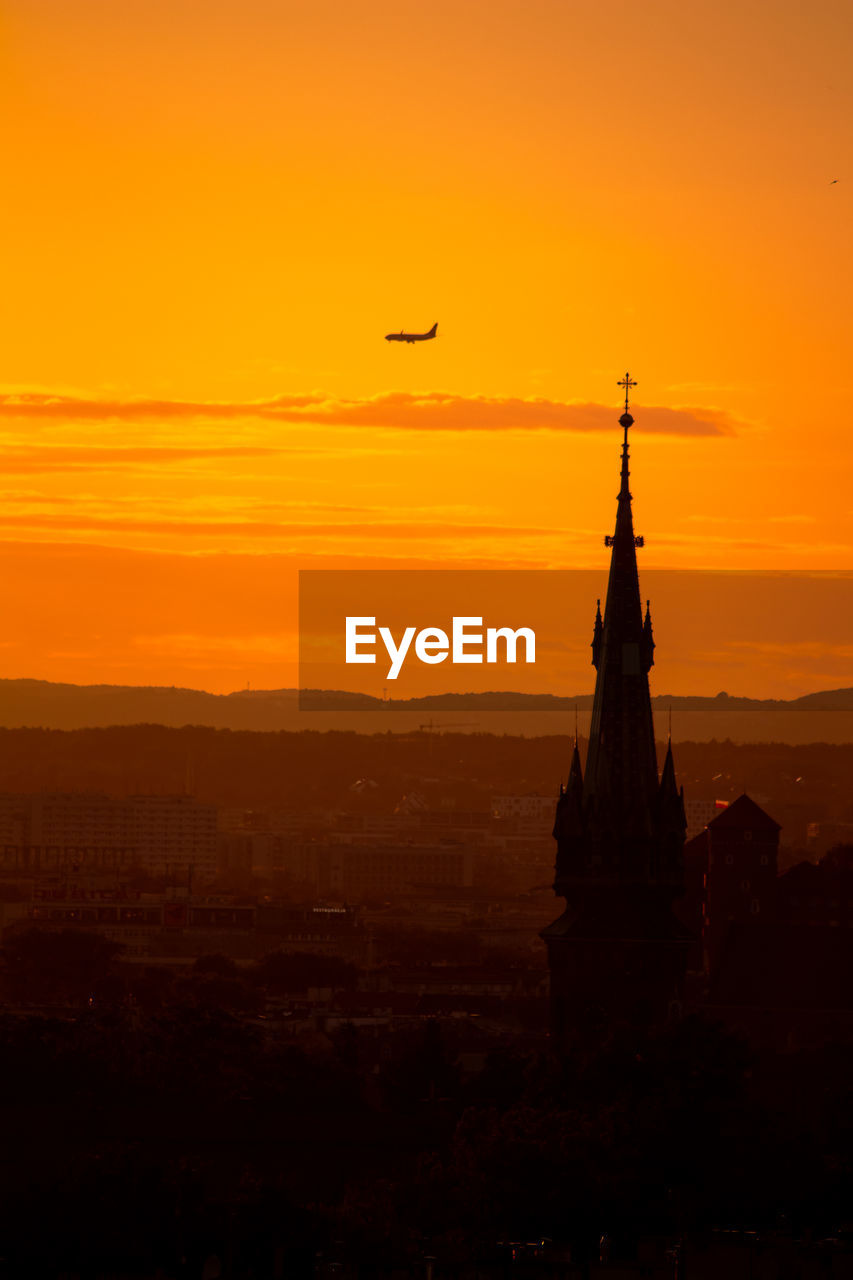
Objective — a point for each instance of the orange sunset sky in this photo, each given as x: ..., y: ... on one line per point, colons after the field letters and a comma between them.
x: 213, y: 212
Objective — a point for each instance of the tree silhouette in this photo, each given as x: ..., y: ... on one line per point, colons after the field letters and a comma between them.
x: 43, y: 965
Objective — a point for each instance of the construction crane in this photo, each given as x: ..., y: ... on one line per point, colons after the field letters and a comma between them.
x: 431, y: 726
x: 433, y: 730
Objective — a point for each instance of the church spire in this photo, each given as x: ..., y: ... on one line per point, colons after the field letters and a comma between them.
x: 617, y: 953
x: 621, y: 767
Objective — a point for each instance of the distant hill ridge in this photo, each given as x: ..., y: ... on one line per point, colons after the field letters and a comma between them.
x: 41, y: 703
x: 827, y: 700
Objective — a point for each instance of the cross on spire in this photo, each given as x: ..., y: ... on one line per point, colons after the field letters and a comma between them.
x: 627, y: 382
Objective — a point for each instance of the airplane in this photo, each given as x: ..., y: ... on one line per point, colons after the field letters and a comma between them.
x: 411, y: 337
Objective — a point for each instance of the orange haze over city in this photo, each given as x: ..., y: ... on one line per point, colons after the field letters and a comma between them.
x: 214, y: 213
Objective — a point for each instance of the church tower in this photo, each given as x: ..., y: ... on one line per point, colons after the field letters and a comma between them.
x: 617, y: 954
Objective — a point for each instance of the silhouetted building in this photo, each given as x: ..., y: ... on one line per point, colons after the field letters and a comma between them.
x: 820, y: 894
x: 784, y: 986
x: 778, y: 949
x: 731, y: 871
x: 532, y: 807
x: 169, y: 926
x: 163, y: 835
x: 356, y: 873
x: 618, y: 953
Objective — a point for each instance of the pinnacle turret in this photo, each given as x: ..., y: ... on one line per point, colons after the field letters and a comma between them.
x: 667, y: 777
x: 568, y: 820
x: 596, y: 636
x: 648, y: 643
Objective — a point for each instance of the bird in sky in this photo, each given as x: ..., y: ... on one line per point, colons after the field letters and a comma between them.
x: 834, y: 180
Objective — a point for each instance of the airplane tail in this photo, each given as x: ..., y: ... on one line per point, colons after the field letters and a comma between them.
x: 432, y: 331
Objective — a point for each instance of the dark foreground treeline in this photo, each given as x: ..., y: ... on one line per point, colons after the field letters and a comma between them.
x: 143, y: 1142
x: 305, y: 771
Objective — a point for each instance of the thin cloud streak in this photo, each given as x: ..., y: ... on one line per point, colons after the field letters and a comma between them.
x: 269, y: 529
x: 396, y: 410
x: 33, y: 459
